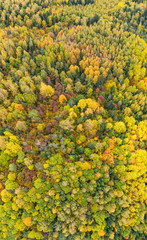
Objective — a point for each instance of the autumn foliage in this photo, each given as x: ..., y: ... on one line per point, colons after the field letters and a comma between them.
x: 73, y: 120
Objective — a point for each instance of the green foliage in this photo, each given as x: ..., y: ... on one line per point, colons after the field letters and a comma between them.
x: 4, y: 159
x: 34, y: 115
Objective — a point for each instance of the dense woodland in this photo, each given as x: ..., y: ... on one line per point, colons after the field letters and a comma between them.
x: 73, y: 119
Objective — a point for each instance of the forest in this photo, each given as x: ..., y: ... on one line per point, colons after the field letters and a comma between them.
x: 73, y: 119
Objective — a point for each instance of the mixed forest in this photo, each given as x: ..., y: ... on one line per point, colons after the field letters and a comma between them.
x: 73, y: 119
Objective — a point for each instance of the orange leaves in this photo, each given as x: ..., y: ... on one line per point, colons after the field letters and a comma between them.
x: 73, y: 59
x: 91, y: 66
x: 142, y: 84
x: 131, y: 147
x: 95, y: 79
x: 101, y: 233
x: 79, y: 173
x: 108, y: 154
x: 19, y: 107
x: 62, y: 99
x: 27, y: 221
x: 111, y: 143
x: 54, y: 210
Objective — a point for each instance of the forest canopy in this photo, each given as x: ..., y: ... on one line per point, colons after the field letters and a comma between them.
x: 73, y: 119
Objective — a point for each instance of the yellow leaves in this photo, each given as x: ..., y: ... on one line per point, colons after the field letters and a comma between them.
x: 81, y: 139
x: 111, y: 236
x: 92, y: 104
x: 27, y: 221
x: 73, y: 59
x: 127, y: 111
x: 80, y: 128
x: 40, y: 127
x: 46, y: 90
x: 12, y: 176
x: 12, y: 137
x: 91, y: 66
x: 12, y: 149
x: 142, y: 130
x: 90, y: 92
x: 35, y: 235
x: 118, y: 193
x: 73, y: 68
x: 82, y: 64
x: 18, y: 190
x: 62, y: 99
x: 67, y: 124
x: 51, y: 192
x: 19, y: 226
x: 2, y: 143
x: 138, y: 166
x: 82, y: 114
x: 44, y: 41
x: 142, y: 84
x: 121, y: 4
x: 72, y: 114
x: 6, y: 196
x: 3, y: 94
x: 28, y: 161
x: 109, y: 84
x: 131, y: 147
x: 89, y: 111
x: 54, y: 210
x: 46, y: 165
x: 120, y: 127
x: 95, y: 79
x: 130, y: 122
x: 82, y: 103
x: 89, y: 125
x: 111, y: 208
x: 91, y: 73
x: 57, y: 196
x: 104, y: 74
x: 82, y: 228
x: 89, y: 228
x: 84, y: 165
x: 3, y: 114
x: 20, y: 203
x: 95, y: 208
x: 14, y: 206
x: 109, y: 126
x: 21, y: 126
x: 86, y: 71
